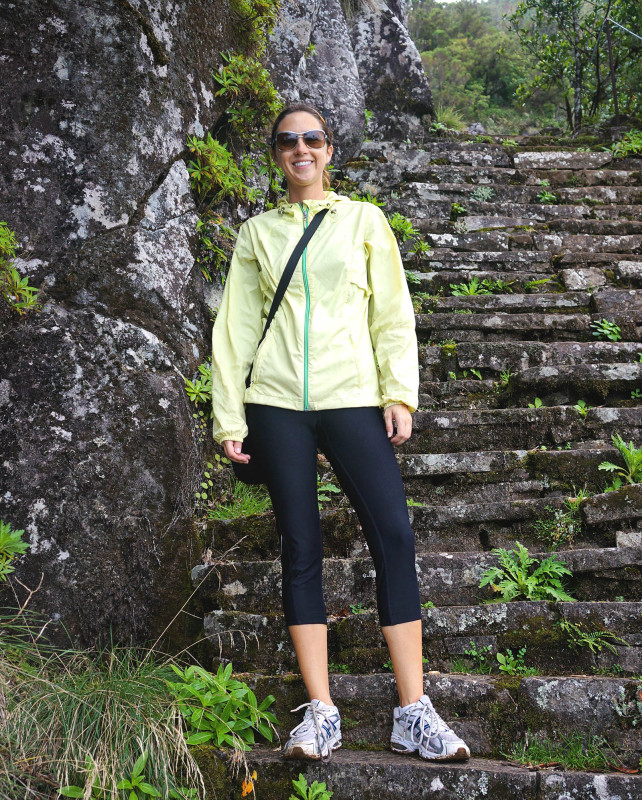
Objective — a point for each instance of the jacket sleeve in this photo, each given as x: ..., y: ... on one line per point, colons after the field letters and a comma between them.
x: 391, y: 316
x: 236, y: 333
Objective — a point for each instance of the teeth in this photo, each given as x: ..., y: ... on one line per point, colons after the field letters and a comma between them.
x: 301, y: 163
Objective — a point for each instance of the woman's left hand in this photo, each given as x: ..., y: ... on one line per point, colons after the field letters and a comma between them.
x: 403, y: 420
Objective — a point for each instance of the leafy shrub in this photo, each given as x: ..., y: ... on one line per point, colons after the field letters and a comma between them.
x: 518, y: 577
x: 547, y: 198
x: 215, y: 175
x: 457, y: 210
x: 402, y: 227
x: 629, y: 145
x: 219, y: 708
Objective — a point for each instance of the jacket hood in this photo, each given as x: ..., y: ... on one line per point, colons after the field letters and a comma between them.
x: 331, y: 199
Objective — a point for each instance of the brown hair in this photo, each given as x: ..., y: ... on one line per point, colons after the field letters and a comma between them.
x: 308, y: 109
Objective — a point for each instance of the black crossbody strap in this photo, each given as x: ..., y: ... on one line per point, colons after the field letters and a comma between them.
x: 287, y: 274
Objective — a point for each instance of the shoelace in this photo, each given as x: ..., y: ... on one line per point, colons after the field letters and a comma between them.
x: 312, y: 715
x: 418, y: 721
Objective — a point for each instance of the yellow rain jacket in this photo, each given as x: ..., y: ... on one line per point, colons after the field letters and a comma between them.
x: 347, y: 301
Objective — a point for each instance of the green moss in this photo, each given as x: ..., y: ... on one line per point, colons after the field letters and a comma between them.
x: 218, y: 782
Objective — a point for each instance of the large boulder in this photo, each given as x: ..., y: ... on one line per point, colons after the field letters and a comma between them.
x: 99, y: 461
x: 346, y: 61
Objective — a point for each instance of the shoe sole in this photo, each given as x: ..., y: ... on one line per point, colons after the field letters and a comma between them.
x: 461, y: 754
x: 299, y: 754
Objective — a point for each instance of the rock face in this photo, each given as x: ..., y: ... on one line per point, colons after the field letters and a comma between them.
x: 98, y: 458
x: 346, y: 61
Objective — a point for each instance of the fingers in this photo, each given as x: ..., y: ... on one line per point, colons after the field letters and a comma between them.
x: 233, y: 451
x: 403, y: 421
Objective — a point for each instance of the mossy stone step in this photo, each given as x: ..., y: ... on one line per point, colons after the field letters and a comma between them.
x: 261, y: 642
x: 457, y: 527
x: 362, y: 775
x: 552, y: 243
x: 511, y: 303
x: 444, y: 579
x: 594, y: 383
x: 490, y: 713
x: 416, y: 199
x: 521, y: 428
x: 439, y: 281
x: 498, y: 356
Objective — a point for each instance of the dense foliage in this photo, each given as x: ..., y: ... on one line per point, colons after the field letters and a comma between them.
x: 520, y: 61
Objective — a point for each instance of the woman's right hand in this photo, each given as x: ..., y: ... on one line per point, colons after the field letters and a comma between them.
x: 233, y: 452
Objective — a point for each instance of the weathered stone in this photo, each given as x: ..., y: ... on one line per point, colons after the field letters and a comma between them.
x: 311, y: 60
x: 591, y: 381
x: 394, y: 83
x: 522, y: 355
x: 576, y: 279
x: 630, y: 272
x: 621, y: 302
x: 561, y: 159
x: 623, y: 505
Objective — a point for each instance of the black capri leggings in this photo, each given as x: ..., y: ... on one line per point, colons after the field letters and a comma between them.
x: 355, y: 442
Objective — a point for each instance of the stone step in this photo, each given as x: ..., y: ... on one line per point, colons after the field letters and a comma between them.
x: 518, y: 327
x: 470, y: 431
x: 408, y: 157
x: 594, y: 383
x: 446, y: 579
x: 460, y: 393
x: 552, y: 243
x: 515, y: 302
x: 498, y: 356
x: 390, y: 174
x: 489, y: 713
x: 440, y: 281
x: 416, y: 199
x: 437, y: 222
x: 355, y: 774
x: 529, y: 260
x: 261, y: 643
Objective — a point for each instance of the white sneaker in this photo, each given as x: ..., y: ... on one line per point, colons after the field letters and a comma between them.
x: 419, y: 727
x: 318, y: 735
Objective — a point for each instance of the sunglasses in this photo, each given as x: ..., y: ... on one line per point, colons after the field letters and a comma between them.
x: 287, y: 140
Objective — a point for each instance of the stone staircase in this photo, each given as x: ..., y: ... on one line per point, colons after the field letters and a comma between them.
x: 482, y: 469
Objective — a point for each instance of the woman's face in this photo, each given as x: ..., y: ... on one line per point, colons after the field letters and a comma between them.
x: 303, y: 166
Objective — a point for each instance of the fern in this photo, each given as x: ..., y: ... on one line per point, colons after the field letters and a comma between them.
x: 595, y: 640
x: 632, y: 458
x: 515, y: 577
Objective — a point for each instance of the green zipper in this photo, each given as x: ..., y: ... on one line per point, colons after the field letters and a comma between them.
x: 306, y: 330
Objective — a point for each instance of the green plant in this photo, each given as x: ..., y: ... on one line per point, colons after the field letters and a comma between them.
x: 514, y: 664
x: 315, y: 791
x: 582, y: 408
x: 482, y: 194
x: 636, y: 394
x: 240, y: 500
x: 200, y: 390
x: 368, y: 198
x: 481, y: 656
x: 596, y: 640
x: 359, y: 608
x: 607, y: 330
x: 638, y: 360
x: 450, y: 117
x: 11, y: 546
x: 402, y: 227
x: 216, y: 244
x: 460, y: 226
x: 412, y: 277
x: 323, y: 488
x: 334, y: 667
x: 467, y: 289
x: 19, y: 295
x: 215, y: 175
x: 517, y: 576
x: 457, y: 210
x: 504, y: 377
x: 428, y: 604
x: 547, y: 198
x: 563, y: 525
x: 220, y: 709
x: 483, y: 138
x: 497, y: 286
x: 537, y: 403
x: 632, y: 456
x: 629, y: 145
x: 573, y: 751
x: 82, y: 718
x: 411, y: 502
x: 419, y: 248
x: 510, y: 143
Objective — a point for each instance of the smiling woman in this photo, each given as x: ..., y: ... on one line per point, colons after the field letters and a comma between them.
x: 338, y: 370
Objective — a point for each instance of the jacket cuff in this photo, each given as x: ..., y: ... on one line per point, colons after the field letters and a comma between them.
x: 237, y: 435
